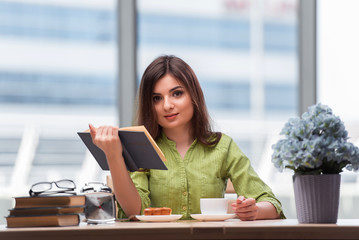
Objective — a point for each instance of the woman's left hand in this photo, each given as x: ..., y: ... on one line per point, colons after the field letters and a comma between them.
x: 245, y: 208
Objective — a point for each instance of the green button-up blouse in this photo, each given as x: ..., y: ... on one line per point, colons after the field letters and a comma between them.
x: 202, y: 173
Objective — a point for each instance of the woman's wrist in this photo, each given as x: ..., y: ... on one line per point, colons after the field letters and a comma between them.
x: 114, y: 157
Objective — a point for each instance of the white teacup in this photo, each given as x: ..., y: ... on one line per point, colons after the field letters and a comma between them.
x: 214, y: 206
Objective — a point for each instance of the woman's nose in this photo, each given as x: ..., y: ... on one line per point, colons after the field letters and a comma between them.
x: 167, y: 104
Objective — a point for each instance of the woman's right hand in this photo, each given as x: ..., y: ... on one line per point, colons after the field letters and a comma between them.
x: 106, y: 138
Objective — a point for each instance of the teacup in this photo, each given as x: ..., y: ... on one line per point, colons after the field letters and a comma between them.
x: 214, y: 206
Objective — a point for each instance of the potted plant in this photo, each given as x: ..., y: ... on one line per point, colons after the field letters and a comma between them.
x: 315, y: 147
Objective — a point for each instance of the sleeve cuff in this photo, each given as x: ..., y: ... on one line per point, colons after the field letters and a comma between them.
x: 145, y: 203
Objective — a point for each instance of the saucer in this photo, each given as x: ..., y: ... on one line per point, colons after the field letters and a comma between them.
x: 159, y: 218
x: 101, y: 221
x: 214, y: 217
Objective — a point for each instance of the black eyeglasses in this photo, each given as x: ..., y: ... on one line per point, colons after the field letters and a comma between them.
x: 96, y: 187
x: 44, y: 188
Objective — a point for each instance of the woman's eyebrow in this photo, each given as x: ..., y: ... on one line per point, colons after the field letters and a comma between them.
x: 171, y: 90
x: 175, y: 88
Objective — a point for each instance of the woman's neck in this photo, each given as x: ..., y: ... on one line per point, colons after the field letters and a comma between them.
x: 182, y: 137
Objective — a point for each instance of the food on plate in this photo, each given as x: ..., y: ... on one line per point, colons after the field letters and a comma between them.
x: 157, y: 211
x: 166, y: 211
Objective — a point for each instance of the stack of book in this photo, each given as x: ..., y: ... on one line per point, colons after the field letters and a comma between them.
x: 46, y: 211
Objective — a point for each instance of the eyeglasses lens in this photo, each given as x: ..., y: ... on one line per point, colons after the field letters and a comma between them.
x: 67, y: 184
x: 41, y: 187
x: 106, y: 189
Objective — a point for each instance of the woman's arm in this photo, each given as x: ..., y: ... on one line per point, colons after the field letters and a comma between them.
x: 260, y: 200
x: 248, y: 209
x: 106, y: 138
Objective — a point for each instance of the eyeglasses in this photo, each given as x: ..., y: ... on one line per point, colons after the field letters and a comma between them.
x: 96, y: 187
x: 64, y: 186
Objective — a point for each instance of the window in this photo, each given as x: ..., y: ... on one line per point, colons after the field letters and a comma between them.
x: 245, y: 56
x: 58, y: 73
x: 337, y: 74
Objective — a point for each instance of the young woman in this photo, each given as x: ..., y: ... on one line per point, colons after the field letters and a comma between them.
x: 199, y: 161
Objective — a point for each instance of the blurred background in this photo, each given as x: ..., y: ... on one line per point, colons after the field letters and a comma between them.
x: 60, y: 70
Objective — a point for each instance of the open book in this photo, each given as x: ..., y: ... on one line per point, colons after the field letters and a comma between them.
x: 139, y: 149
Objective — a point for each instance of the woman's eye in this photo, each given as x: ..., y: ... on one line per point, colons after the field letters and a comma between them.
x: 156, y: 98
x: 177, y: 93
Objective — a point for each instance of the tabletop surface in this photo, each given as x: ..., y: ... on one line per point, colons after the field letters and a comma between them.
x: 229, y: 229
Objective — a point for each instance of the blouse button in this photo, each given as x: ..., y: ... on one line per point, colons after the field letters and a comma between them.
x: 184, y: 208
x: 184, y: 193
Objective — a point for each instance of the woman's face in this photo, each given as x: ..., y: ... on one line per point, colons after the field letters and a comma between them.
x: 173, y: 104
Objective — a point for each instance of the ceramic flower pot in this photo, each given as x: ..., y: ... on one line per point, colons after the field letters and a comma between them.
x: 317, y: 198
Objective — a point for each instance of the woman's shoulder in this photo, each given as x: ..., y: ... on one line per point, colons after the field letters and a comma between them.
x: 226, y: 137
x: 225, y: 141
x: 226, y: 146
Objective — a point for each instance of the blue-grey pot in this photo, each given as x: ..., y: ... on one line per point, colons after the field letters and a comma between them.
x: 317, y: 198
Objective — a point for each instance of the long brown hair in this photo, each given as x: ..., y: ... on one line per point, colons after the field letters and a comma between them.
x: 168, y: 64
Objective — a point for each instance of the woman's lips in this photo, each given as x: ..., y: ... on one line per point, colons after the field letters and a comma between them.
x: 171, y: 116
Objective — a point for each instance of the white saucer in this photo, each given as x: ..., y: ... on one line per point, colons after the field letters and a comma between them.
x: 159, y: 218
x: 100, y: 221
x: 207, y: 217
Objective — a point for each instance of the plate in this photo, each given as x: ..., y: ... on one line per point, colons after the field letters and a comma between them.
x: 101, y: 221
x: 208, y: 217
x: 159, y: 218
